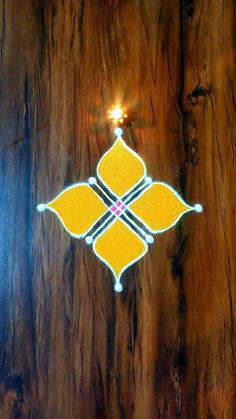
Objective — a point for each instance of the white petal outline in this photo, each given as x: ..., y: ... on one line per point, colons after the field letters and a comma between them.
x: 74, y: 185
x: 197, y: 208
x: 190, y: 208
x: 118, y: 277
x: 119, y: 139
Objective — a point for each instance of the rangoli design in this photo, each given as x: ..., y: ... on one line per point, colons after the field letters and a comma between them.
x: 119, y: 211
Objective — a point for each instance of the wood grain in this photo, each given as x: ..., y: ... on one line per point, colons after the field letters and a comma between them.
x: 69, y: 347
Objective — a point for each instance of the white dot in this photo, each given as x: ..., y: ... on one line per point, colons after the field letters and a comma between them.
x: 89, y: 239
x: 118, y: 132
x: 198, y: 208
x: 118, y: 287
x: 148, y: 179
x: 149, y: 239
x: 92, y: 180
x: 41, y: 207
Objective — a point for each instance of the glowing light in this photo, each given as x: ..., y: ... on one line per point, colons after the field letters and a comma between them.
x: 117, y: 114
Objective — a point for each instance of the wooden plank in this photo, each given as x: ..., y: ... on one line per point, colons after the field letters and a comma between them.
x: 69, y: 347
x: 208, y: 104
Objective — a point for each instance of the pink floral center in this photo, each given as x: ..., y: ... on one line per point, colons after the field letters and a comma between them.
x: 117, y: 208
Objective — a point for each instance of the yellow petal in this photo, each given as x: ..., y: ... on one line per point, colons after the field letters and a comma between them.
x: 78, y: 208
x: 120, y: 169
x: 159, y: 207
x: 119, y: 247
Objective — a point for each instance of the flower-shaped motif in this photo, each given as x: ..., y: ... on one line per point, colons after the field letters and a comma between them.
x: 118, y: 211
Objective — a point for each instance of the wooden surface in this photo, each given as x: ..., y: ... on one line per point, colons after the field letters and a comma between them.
x: 70, y: 348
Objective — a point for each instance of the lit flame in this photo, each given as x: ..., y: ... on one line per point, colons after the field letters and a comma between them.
x: 117, y: 114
